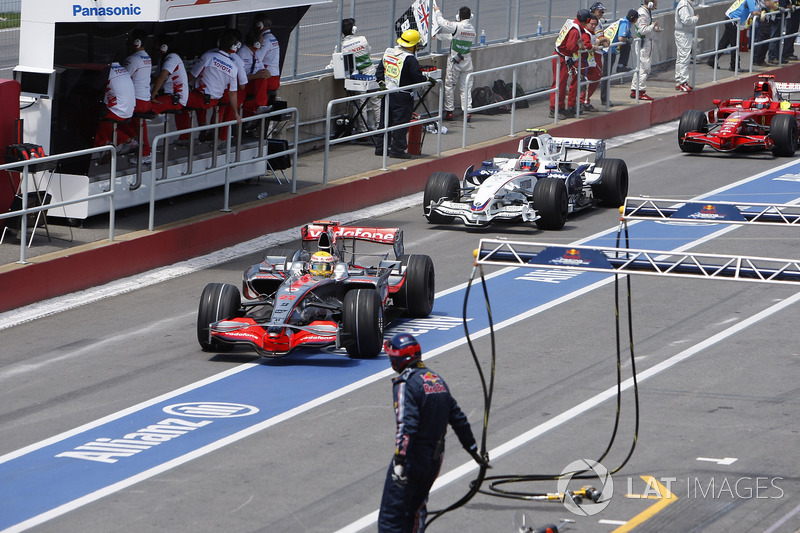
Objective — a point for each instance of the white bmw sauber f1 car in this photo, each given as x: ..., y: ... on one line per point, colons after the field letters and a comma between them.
x: 543, y: 183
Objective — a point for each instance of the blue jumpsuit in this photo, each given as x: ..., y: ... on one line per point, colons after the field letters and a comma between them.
x: 423, y: 408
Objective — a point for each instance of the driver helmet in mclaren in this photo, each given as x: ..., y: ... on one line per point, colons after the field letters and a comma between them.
x: 322, y: 264
x: 403, y: 350
x: 529, y: 161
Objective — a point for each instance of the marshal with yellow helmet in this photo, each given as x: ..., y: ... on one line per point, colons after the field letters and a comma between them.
x: 325, y: 293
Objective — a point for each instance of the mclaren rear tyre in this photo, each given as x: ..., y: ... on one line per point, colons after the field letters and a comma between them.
x: 416, y: 295
x: 783, y: 132
x: 440, y: 185
x: 217, y: 302
x: 550, y: 202
x: 613, y: 186
x: 692, y: 121
x: 362, y: 323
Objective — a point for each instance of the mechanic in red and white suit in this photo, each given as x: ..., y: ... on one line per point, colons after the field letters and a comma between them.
x: 270, y: 53
x: 170, y: 89
x: 120, y: 100
x: 213, y: 74
x: 423, y: 408
x: 139, y: 66
x: 572, y: 39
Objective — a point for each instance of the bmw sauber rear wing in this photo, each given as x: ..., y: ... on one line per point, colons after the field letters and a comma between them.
x: 554, y: 145
x: 632, y: 261
x: 744, y: 213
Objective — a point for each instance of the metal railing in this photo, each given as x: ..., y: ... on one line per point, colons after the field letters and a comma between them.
x: 514, y: 98
x: 716, y: 52
x: 24, y: 190
x: 231, y: 157
x: 378, y: 130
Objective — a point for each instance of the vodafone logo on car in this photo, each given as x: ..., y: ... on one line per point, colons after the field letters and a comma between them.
x: 383, y: 235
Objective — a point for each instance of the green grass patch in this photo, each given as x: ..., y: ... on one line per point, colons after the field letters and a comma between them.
x: 9, y: 20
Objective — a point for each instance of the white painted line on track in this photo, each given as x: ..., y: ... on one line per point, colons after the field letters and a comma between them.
x: 586, y: 405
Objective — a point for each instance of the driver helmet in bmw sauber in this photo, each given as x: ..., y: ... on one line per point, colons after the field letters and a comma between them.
x: 403, y: 350
x: 322, y: 264
x: 529, y: 161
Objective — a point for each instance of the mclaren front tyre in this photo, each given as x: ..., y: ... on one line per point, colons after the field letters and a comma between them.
x: 218, y: 301
x: 362, y: 323
x: 416, y: 295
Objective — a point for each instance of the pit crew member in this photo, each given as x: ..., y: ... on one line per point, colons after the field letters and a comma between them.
x: 461, y: 35
x: 398, y: 68
x: 423, y: 408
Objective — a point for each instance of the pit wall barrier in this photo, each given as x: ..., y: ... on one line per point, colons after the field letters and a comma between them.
x: 88, y: 265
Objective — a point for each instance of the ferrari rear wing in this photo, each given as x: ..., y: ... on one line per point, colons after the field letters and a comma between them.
x: 632, y: 261
x: 743, y: 213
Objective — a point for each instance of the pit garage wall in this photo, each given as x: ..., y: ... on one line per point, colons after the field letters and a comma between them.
x: 89, y: 265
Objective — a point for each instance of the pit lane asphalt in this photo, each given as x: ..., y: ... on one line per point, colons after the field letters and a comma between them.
x: 324, y: 469
x: 346, y: 161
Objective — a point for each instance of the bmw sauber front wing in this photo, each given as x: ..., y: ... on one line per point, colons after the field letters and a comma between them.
x: 472, y: 217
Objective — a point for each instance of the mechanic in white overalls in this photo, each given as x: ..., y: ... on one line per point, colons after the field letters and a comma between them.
x: 359, y: 47
x: 685, y: 23
x: 646, y: 29
x: 461, y: 35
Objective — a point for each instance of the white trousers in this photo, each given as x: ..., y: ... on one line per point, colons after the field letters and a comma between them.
x: 645, y: 63
x: 457, y: 75
x: 683, y: 42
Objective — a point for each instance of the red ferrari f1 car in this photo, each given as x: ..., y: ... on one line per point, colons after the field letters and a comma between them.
x: 766, y: 121
x: 330, y: 296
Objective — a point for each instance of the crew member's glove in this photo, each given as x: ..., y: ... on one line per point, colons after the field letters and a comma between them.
x: 382, y: 85
x: 482, y: 460
x: 399, y: 471
x: 432, y: 81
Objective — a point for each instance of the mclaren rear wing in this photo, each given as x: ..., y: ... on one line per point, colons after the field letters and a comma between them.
x: 320, y: 229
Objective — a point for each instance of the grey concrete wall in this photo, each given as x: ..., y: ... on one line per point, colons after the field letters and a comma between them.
x: 311, y: 96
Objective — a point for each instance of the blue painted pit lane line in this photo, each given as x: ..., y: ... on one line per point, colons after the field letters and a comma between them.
x: 50, y: 478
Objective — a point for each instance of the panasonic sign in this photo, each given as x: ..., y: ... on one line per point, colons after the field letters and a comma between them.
x: 99, y: 11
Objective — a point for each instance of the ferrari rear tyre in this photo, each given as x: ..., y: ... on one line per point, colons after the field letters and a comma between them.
x: 550, y: 202
x: 440, y: 185
x: 613, y: 186
x: 217, y: 302
x: 417, y: 293
x: 783, y: 132
x: 362, y: 323
x: 691, y: 121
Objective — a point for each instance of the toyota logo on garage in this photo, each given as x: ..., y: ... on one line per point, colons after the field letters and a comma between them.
x: 211, y: 409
